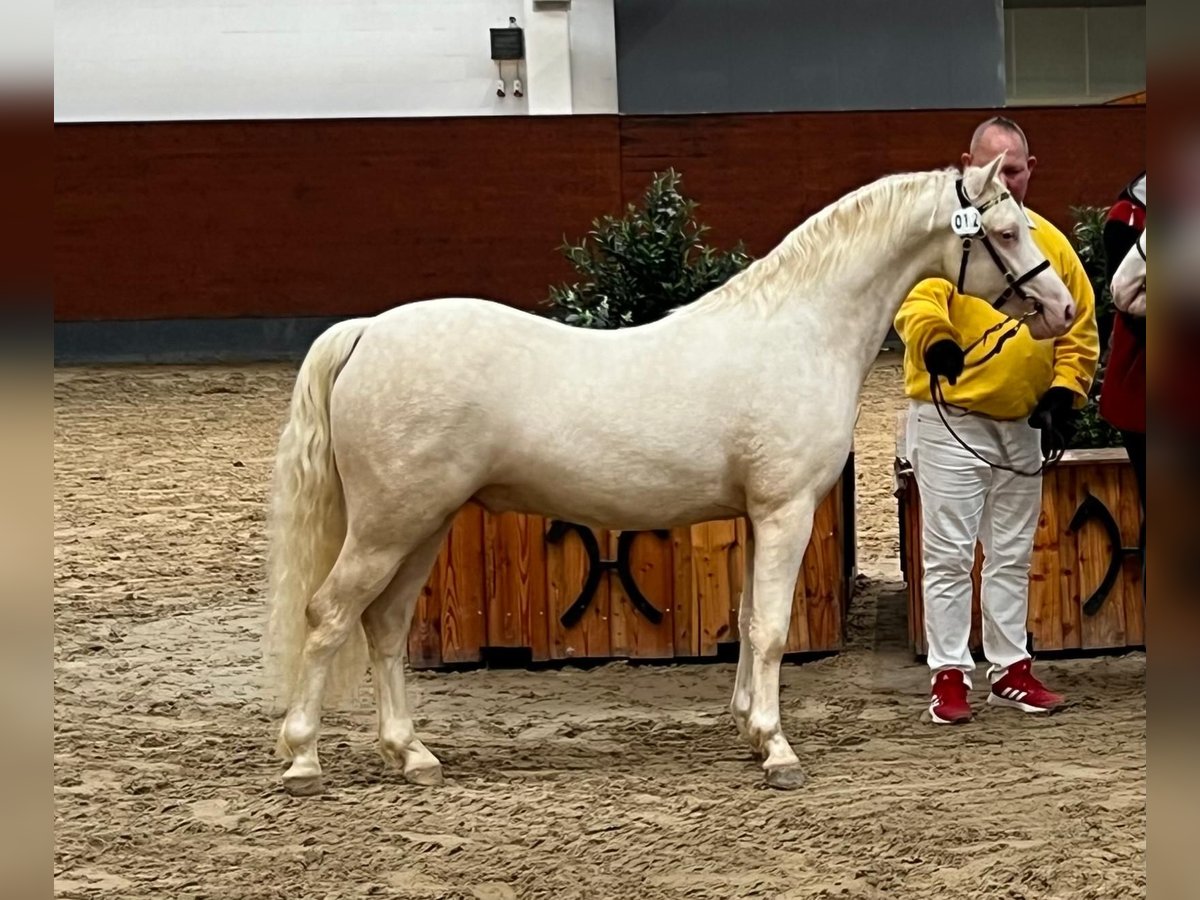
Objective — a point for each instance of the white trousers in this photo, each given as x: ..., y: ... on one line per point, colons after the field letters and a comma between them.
x: 964, y: 500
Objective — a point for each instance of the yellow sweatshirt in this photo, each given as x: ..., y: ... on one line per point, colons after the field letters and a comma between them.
x: 1009, y: 385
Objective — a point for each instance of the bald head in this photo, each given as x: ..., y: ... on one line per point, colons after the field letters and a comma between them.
x: 1002, y: 135
x: 999, y: 126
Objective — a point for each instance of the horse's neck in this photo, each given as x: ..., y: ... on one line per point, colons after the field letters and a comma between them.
x: 859, y: 296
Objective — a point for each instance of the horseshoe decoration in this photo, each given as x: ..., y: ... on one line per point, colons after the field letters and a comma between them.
x: 1091, y: 508
x: 597, y: 566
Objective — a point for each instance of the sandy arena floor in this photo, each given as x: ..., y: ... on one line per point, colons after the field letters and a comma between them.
x: 617, y: 782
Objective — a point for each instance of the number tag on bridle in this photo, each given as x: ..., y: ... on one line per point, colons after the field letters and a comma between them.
x: 965, y: 222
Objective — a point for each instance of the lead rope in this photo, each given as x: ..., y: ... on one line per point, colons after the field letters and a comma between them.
x: 1058, y: 447
x: 1056, y: 451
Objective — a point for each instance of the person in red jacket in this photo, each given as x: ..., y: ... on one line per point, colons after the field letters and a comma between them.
x: 1123, y: 392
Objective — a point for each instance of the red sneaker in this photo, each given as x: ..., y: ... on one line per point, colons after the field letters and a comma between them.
x: 948, y: 703
x: 1019, y: 689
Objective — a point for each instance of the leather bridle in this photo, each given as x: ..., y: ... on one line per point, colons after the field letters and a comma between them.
x: 1015, y: 283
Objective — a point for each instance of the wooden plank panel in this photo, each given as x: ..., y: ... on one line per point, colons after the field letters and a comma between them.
x: 540, y: 617
x: 631, y: 633
x: 566, y: 569
x: 594, y: 629
x: 516, y: 603
x: 463, y: 588
x: 803, y: 595
x: 825, y: 549
x: 425, y: 632
x: 685, y: 608
x: 1045, y: 586
x: 1128, y: 515
x: 1068, y: 556
x: 499, y: 626
x: 712, y: 544
x: 1110, y: 488
x: 622, y: 618
x: 1107, y: 627
x: 806, y: 630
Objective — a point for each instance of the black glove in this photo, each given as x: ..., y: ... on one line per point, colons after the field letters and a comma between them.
x: 1053, y: 416
x: 945, y: 358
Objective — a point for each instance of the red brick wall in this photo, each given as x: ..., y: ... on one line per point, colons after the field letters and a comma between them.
x: 339, y: 217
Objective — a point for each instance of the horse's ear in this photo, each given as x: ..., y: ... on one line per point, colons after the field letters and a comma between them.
x: 994, y: 168
x: 979, y: 180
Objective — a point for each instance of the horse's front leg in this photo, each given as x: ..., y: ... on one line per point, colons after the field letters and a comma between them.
x: 780, y: 539
x: 739, y: 704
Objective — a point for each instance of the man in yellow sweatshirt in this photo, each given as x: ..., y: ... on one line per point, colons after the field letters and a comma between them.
x: 999, y: 408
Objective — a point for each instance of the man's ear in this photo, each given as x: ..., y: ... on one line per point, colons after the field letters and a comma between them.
x: 1032, y: 162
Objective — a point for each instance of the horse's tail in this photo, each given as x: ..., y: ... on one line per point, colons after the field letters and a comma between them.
x: 307, y: 523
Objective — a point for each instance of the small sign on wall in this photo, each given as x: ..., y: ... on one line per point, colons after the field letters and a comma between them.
x: 508, y: 43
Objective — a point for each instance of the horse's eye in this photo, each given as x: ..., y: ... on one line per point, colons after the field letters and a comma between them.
x: 1009, y: 235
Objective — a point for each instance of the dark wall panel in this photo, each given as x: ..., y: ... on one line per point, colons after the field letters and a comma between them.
x: 767, y: 56
x: 311, y: 218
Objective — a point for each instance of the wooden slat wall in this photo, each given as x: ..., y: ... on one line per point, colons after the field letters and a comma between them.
x: 713, y: 564
x: 515, y: 570
x: 1066, y: 566
x: 346, y: 217
x: 460, y: 573
x: 1045, y: 580
x: 685, y: 610
x: 567, y: 569
x: 498, y: 583
x: 425, y: 633
x: 652, y: 564
x: 1128, y: 515
x: 1070, y: 594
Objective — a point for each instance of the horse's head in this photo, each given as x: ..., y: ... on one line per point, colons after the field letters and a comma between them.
x: 995, y: 256
x: 1129, y: 281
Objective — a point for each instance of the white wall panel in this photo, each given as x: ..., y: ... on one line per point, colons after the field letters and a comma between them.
x: 132, y: 60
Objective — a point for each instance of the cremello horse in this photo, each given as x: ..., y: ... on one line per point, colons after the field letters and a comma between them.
x: 1129, y: 281
x: 741, y: 403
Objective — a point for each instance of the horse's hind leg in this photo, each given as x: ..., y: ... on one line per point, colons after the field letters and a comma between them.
x: 361, y: 572
x: 386, y: 622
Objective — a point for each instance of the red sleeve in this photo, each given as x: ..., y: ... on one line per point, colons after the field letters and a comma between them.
x: 1127, y: 213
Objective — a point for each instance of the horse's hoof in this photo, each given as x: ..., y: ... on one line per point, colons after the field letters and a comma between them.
x: 785, y: 778
x: 303, y: 785
x: 425, y: 776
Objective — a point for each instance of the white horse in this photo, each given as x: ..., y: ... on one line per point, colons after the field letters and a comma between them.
x: 1129, y: 281
x: 741, y: 403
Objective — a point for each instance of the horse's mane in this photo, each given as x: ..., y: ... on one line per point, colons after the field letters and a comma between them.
x: 854, y: 226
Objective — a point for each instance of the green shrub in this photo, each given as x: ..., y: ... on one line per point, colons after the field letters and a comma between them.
x: 1088, y: 238
x: 637, y: 268
x: 1092, y: 431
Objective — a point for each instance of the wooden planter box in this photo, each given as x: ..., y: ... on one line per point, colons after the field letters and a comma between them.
x: 1085, y: 588
x: 515, y: 584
